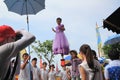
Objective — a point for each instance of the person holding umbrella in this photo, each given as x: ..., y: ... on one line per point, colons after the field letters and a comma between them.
x: 9, y: 48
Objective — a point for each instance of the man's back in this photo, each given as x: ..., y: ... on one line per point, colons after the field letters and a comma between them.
x: 112, y: 70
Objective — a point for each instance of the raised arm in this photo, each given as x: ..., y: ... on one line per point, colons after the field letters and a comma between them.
x: 53, y: 30
x: 26, y: 39
x: 11, y: 49
x: 24, y: 63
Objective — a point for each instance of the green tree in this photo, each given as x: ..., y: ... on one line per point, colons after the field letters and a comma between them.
x: 44, y: 50
x: 107, y: 48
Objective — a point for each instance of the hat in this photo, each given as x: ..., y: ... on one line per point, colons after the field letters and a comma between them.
x: 5, y: 32
x: 52, y: 66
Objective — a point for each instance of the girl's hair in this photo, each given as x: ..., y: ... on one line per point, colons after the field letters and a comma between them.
x: 59, y: 19
x: 74, y: 52
x: 86, y: 50
x: 94, y: 54
x: 52, y: 66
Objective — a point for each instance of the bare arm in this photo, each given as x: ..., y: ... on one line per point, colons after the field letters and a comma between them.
x: 82, y: 73
x: 25, y: 63
x: 53, y: 30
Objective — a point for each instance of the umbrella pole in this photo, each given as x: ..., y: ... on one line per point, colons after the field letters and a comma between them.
x: 28, y: 31
x: 31, y: 76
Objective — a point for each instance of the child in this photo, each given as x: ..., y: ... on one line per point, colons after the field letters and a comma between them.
x: 75, y: 61
x: 66, y: 73
x: 60, y: 43
x: 52, y: 73
x: 36, y: 70
x: 44, y: 71
x: 26, y: 70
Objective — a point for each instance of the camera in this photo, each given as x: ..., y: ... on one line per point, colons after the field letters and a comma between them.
x: 18, y: 36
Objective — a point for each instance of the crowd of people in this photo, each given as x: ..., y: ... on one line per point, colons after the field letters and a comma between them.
x: 87, y: 68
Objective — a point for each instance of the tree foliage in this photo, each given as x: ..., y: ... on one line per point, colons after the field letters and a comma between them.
x: 107, y: 48
x: 44, y: 49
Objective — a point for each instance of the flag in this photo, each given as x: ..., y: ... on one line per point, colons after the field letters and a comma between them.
x: 40, y: 61
x: 56, y: 67
x: 99, y: 41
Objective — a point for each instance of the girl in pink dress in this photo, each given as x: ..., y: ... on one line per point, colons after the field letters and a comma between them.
x: 60, y: 43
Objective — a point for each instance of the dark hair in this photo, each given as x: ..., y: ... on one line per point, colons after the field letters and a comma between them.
x: 59, y: 19
x: 86, y: 50
x: 25, y: 54
x: 94, y: 54
x: 34, y: 59
x: 114, y: 54
x: 44, y: 63
x: 18, y: 36
x: 74, y: 52
x: 52, y: 66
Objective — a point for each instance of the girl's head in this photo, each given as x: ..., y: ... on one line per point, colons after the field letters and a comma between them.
x: 44, y: 64
x: 85, y: 50
x: 73, y: 54
x: 52, y: 67
x: 94, y: 54
x: 25, y: 56
x: 58, y: 20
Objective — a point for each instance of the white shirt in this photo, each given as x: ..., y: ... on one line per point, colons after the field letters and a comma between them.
x: 113, y: 65
x: 52, y: 75
x: 25, y: 73
x: 89, y: 72
x: 44, y: 74
x: 36, y: 73
x: 64, y: 75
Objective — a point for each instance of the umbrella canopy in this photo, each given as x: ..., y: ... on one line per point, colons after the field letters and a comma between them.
x: 101, y: 59
x: 69, y: 57
x: 113, y: 22
x: 25, y: 7
x: 112, y: 39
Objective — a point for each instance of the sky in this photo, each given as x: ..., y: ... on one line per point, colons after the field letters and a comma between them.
x: 79, y: 18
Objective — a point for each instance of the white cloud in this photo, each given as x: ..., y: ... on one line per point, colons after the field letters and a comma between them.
x: 79, y: 18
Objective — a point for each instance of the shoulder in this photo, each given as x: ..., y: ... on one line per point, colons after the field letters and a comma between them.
x: 62, y: 25
x: 6, y: 49
x: 83, y: 64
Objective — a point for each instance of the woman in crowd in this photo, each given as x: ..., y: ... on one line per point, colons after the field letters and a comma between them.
x: 52, y: 73
x: 90, y: 68
x: 44, y: 71
x: 75, y: 61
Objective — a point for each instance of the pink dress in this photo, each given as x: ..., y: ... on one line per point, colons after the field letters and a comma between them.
x: 60, y: 43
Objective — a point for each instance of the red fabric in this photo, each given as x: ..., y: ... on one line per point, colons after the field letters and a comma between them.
x: 5, y: 32
x: 62, y: 62
x: 40, y: 63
